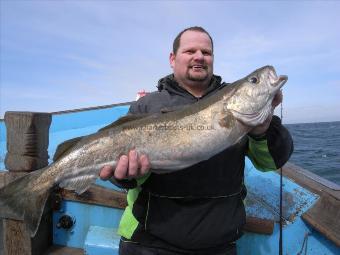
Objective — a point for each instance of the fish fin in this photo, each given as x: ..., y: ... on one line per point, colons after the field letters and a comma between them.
x: 78, y: 183
x: 124, y: 119
x: 21, y: 201
x: 65, y: 146
x: 228, y: 119
x: 78, y: 179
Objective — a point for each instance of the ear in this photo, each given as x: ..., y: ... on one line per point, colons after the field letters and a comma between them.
x: 172, y: 59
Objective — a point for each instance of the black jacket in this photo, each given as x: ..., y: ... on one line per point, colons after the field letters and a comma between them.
x: 198, y: 209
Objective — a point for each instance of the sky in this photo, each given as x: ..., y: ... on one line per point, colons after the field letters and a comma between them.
x: 62, y: 55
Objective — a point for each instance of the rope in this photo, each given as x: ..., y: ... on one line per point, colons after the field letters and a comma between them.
x: 281, y: 236
x: 305, y: 240
x: 281, y: 221
x: 304, y: 244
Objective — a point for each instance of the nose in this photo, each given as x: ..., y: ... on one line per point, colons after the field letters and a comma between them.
x: 198, y: 55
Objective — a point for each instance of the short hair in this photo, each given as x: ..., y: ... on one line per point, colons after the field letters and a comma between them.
x: 176, y: 42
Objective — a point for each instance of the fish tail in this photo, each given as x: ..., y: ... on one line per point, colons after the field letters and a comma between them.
x: 22, y: 200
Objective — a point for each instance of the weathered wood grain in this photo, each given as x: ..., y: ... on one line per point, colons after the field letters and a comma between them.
x: 311, y: 181
x: 324, y: 216
x: 27, y: 140
x: 14, y: 237
x: 98, y: 195
x: 259, y: 226
x: 62, y: 250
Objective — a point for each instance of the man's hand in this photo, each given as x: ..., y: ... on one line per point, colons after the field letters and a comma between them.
x: 131, y: 166
x: 261, y: 129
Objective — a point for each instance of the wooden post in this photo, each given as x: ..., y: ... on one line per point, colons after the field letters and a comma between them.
x: 27, y: 144
x: 27, y: 140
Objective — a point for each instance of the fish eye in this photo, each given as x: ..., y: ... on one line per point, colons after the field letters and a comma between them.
x: 253, y: 79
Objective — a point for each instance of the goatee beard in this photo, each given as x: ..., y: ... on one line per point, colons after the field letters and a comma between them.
x: 197, y: 78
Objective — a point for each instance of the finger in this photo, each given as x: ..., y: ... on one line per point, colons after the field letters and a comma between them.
x: 133, y: 163
x: 145, y: 164
x: 122, y: 168
x: 106, y: 172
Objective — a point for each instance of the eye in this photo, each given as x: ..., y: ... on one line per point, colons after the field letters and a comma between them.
x: 206, y: 53
x: 253, y: 79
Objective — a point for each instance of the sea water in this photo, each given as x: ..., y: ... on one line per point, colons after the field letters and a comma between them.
x: 317, y: 148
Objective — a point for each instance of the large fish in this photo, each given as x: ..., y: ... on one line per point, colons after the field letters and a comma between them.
x: 172, y: 141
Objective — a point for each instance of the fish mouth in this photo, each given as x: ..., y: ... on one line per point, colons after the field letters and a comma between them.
x: 280, y: 81
x: 275, y: 80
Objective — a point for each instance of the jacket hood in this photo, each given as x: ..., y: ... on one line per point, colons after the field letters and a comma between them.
x: 170, y: 84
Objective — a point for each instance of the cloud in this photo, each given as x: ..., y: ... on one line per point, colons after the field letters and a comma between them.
x: 88, y: 62
x: 88, y: 53
x: 334, y: 84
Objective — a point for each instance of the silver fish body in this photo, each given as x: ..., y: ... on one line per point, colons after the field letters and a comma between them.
x: 172, y: 141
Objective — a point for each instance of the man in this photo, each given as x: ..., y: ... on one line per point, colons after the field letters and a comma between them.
x: 198, y: 210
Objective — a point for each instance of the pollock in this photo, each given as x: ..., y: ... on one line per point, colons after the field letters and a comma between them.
x: 172, y: 141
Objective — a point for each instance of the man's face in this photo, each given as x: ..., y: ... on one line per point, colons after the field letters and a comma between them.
x: 193, y: 62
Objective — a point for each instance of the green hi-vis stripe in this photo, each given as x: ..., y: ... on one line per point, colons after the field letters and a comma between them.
x: 128, y: 222
x: 260, y: 156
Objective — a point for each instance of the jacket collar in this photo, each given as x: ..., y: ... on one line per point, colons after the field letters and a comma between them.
x: 169, y: 84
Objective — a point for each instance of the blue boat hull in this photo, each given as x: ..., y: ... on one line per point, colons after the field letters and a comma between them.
x: 94, y: 223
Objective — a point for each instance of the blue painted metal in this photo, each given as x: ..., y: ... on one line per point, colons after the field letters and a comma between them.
x: 263, y: 202
x: 69, y: 125
x: 85, y: 215
x: 81, y: 119
x: 263, y: 195
x: 293, y: 239
x: 101, y: 241
x: 63, y: 127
